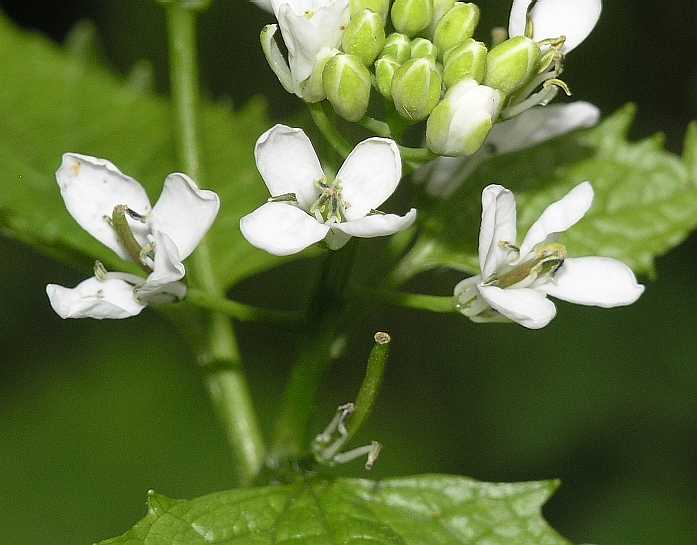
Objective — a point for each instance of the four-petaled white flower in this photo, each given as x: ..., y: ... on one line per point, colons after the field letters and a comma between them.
x: 514, y: 282
x: 115, y: 209
x: 307, y: 207
x: 312, y: 32
x: 573, y: 19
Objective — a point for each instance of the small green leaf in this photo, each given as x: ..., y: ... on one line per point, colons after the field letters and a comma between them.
x: 425, y: 510
x: 53, y: 101
x: 645, y: 198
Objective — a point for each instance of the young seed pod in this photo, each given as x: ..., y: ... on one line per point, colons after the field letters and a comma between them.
x: 456, y: 26
x: 421, y: 47
x: 385, y: 69
x: 382, y: 7
x: 364, y: 36
x: 347, y: 85
x: 416, y: 88
x: 511, y: 64
x: 412, y: 16
x: 397, y: 47
x: 460, y: 124
x: 465, y: 61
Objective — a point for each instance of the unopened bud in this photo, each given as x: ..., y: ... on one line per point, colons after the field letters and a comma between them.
x: 347, y: 85
x: 512, y: 63
x: 421, y: 47
x: 312, y: 89
x: 364, y: 36
x: 412, y: 16
x: 440, y: 8
x: 456, y: 26
x: 416, y: 88
x: 382, y: 7
x: 460, y: 124
x: 465, y: 61
x: 397, y: 47
x: 385, y: 69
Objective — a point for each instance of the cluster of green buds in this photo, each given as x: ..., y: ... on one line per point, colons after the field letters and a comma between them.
x: 422, y: 57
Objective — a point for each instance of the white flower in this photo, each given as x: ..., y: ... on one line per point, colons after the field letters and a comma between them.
x: 573, y: 19
x: 307, y: 207
x: 99, y: 197
x: 263, y: 4
x: 446, y: 174
x: 514, y: 282
x: 312, y: 32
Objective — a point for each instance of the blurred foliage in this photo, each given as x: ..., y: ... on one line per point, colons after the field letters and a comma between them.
x: 93, y: 414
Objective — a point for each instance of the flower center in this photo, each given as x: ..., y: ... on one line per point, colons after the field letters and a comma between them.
x: 330, y: 206
x: 544, y: 262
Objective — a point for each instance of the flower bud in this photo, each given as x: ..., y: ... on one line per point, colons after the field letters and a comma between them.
x: 460, y: 124
x: 465, y: 61
x: 421, y: 47
x: 456, y: 26
x: 347, y: 85
x: 364, y: 36
x: 511, y: 64
x: 416, y: 88
x: 411, y: 16
x: 382, y: 7
x: 385, y: 68
x: 397, y: 47
x: 440, y: 8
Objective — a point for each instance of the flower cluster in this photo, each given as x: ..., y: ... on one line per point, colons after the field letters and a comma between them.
x: 421, y: 55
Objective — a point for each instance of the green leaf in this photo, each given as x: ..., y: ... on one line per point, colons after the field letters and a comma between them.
x: 645, y: 198
x: 53, y: 101
x: 425, y: 510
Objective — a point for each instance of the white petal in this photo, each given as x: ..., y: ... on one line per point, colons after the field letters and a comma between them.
x: 288, y: 163
x: 275, y: 57
x: 91, y: 188
x: 498, y: 225
x: 263, y: 4
x: 529, y: 308
x: 377, y: 225
x: 281, y: 229
x: 184, y: 212
x: 559, y: 217
x: 369, y: 176
x: 574, y: 19
x: 162, y: 285
x: 92, y: 298
x: 540, y: 124
x: 596, y: 281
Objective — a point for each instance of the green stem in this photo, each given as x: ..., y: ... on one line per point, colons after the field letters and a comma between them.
x: 415, y: 301
x: 241, y: 311
x: 325, y: 317
x: 225, y: 379
x: 328, y: 130
x: 417, y: 155
x: 380, y: 128
x: 367, y: 395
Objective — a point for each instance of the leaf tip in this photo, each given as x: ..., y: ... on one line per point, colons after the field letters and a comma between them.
x: 157, y: 503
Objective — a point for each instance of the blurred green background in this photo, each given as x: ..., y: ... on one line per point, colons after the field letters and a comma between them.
x: 93, y: 414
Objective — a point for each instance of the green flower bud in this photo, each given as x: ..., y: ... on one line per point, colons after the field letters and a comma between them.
x: 378, y: 6
x: 456, y: 26
x: 412, y: 16
x: 511, y: 64
x: 440, y: 8
x: 347, y: 85
x: 385, y: 69
x: 364, y: 36
x: 421, y: 47
x: 397, y: 47
x: 416, y: 88
x: 460, y: 124
x: 465, y: 61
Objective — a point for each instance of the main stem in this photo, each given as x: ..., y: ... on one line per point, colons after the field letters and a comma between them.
x: 225, y: 377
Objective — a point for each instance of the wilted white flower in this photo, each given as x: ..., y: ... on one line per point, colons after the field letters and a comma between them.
x: 115, y: 209
x: 307, y: 207
x: 514, y: 282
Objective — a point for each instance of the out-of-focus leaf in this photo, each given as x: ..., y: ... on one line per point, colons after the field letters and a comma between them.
x: 645, y: 198
x: 53, y: 102
x: 421, y: 510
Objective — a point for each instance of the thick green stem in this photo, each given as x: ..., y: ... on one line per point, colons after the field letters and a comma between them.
x: 417, y: 155
x: 225, y: 378
x: 325, y: 316
x: 328, y: 130
x: 380, y: 128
